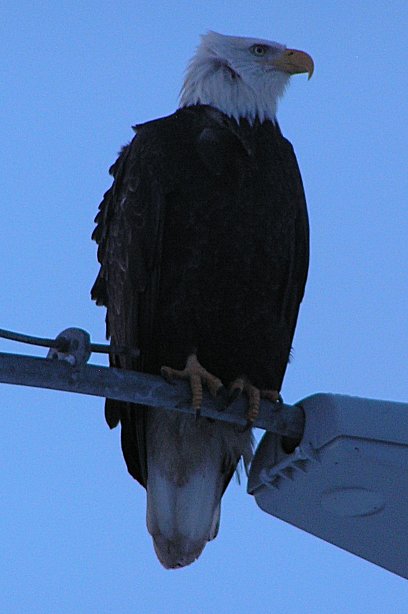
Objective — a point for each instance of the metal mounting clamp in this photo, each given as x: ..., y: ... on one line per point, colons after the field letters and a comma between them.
x: 73, y: 347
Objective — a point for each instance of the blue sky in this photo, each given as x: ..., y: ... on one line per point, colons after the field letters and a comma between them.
x: 75, y: 77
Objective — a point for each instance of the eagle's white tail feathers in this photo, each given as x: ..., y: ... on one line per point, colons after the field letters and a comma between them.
x: 181, y: 519
x: 185, y: 482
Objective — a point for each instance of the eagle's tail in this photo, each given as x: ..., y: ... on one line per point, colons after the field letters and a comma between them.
x: 189, y: 465
x: 182, y: 520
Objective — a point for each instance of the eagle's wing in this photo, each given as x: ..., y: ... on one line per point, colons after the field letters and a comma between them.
x: 128, y: 232
x: 299, y: 258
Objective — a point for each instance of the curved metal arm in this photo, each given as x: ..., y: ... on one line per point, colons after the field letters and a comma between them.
x: 143, y: 389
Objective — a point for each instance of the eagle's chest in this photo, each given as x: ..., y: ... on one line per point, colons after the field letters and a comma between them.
x: 238, y: 218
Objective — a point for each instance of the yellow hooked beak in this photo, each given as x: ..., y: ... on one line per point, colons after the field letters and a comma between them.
x: 295, y: 62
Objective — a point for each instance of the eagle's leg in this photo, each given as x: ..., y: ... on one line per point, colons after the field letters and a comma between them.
x: 197, y: 376
x: 254, y: 394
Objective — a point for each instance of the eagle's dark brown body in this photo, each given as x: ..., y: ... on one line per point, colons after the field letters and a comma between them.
x: 203, y: 245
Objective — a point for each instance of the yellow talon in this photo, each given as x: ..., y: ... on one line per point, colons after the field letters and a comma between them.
x: 197, y: 376
x: 241, y: 384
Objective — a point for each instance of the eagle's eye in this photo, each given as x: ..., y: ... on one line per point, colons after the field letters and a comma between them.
x: 259, y: 50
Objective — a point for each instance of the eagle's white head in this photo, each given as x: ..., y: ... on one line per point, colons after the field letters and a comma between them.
x: 243, y: 77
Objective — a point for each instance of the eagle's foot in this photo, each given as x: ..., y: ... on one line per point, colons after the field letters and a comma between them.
x: 254, y: 394
x: 197, y: 376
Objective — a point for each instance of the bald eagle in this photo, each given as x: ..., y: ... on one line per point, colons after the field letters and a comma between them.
x: 203, y: 246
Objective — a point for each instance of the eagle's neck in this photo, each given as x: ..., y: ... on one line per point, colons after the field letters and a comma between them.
x: 216, y: 84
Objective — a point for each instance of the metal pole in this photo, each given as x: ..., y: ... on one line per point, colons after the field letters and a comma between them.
x: 142, y: 389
